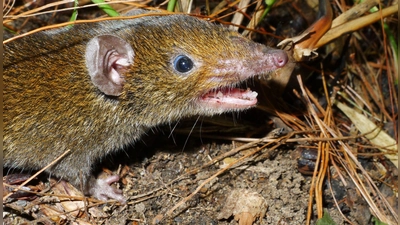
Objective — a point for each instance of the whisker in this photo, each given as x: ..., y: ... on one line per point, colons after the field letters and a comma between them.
x: 172, y: 130
x: 191, y: 130
x: 201, y: 126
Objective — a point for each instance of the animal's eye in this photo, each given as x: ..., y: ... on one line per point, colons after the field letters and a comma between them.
x: 183, y: 64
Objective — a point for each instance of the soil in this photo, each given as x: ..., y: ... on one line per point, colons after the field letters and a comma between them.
x: 160, y: 172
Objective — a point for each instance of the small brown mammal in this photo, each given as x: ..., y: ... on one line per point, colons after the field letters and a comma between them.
x: 96, y: 88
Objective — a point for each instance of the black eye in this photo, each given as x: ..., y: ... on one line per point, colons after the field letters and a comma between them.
x: 183, y: 64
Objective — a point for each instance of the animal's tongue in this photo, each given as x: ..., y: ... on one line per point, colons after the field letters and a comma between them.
x: 230, y: 98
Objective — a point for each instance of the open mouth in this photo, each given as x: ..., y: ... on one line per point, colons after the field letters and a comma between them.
x: 229, y: 98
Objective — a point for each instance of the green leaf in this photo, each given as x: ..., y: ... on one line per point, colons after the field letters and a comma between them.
x: 171, y: 5
x: 106, y: 8
x: 74, y: 13
x: 326, y: 219
x: 378, y: 222
x: 269, y: 4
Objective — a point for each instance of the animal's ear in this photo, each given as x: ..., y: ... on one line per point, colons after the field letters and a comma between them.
x: 107, y: 58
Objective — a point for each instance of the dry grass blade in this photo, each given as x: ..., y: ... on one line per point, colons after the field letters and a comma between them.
x: 37, y: 173
x: 374, y: 133
x: 340, y: 151
x: 356, y: 24
x: 7, y: 7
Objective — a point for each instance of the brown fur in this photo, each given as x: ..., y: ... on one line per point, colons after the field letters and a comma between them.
x: 51, y: 105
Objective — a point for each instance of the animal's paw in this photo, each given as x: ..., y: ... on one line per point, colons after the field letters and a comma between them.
x: 102, y: 190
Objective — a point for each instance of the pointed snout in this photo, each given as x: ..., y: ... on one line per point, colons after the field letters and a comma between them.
x: 280, y: 58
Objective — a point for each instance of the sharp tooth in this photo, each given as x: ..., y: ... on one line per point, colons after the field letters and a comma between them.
x: 250, y: 95
x: 219, y: 94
